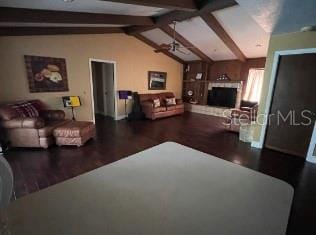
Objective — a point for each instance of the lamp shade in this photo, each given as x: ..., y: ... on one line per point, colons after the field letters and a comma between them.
x: 125, y: 95
x: 71, y: 101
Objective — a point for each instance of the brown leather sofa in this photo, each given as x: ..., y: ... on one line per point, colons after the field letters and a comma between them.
x: 22, y: 131
x: 146, y: 101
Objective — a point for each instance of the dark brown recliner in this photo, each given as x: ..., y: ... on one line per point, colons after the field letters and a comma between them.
x: 246, y: 114
x: 146, y: 101
x: 37, y: 131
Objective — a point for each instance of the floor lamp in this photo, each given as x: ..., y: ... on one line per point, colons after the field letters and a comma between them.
x: 125, y: 95
x: 71, y: 102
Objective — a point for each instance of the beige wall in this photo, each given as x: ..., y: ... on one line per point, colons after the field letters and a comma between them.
x: 280, y: 43
x: 134, y: 59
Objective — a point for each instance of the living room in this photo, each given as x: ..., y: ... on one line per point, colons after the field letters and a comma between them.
x: 188, y: 91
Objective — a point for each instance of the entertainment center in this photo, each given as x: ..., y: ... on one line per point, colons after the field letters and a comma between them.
x: 202, y: 94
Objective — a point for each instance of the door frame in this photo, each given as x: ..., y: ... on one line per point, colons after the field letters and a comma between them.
x: 115, y: 86
x: 275, y: 66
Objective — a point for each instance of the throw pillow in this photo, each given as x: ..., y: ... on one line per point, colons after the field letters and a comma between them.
x: 156, y: 103
x: 171, y: 101
x: 25, y: 109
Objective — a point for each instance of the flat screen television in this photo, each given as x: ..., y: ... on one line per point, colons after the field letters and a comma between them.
x: 222, y: 97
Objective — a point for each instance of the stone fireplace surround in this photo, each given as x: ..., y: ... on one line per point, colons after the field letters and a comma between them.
x: 213, y: 110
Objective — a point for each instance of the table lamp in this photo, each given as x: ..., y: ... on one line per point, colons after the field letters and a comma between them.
x: 125, y: 95
x: 71, y: 102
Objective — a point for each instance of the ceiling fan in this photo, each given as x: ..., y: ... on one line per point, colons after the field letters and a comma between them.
x: 174, y: 46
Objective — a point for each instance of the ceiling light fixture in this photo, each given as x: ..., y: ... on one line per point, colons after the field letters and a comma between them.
x: 68, y: 1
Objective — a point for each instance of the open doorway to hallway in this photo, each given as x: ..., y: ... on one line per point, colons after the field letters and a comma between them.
x: 103, y: 86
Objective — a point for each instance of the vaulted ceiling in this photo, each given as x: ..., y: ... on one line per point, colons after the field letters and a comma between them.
x: 213, y: 30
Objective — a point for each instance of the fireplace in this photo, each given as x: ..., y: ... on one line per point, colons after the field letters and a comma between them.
x: 222, y: 97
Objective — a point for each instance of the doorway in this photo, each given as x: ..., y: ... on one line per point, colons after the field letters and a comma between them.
x: 103, y: 87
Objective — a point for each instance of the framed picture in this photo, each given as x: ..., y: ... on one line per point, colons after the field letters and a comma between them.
x: 46, y: 74
x: 157, y: 80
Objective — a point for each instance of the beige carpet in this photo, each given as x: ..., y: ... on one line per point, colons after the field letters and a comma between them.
x: 168, y: 189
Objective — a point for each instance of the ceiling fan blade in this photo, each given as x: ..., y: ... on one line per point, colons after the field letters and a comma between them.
x: 183, y: 52
x: 163, y: 47
x: 186, y: 47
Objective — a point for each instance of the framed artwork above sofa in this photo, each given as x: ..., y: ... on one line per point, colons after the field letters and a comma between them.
x: 46, y: 74
x: 157, y: 80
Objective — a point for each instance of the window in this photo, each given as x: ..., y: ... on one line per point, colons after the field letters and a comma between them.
x: 254, y: 85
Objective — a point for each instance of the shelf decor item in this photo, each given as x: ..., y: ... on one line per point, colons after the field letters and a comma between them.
x: 199, y: 76
x: 71, y: 102
x: 223, y: 77
x: 46, y: 74
x: 157, y: 80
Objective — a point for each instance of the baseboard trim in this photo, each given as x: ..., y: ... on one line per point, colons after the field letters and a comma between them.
x: 256, y: 144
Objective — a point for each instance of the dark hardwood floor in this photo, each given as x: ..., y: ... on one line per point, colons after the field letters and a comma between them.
x: 35, y: 169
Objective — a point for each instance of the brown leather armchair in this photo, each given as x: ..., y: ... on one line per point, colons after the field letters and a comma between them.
x: 246, y: 114
x: 146, y: 101
x: 37, y: 131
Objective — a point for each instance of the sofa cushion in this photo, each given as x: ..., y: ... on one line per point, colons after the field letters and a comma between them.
x: 26, y: 109
x: 47, y: 130
x: 171, y: 107
x: 52, y: 115
x: 180, y: 106
x: 7, y: 113
x: 162, y: 96
x: 165, y: 95
x: 147, y: 97
x: 35, y: 123
x: 30, y: 123
x: 159, y: 109
x: 157, y: 103
x: 170, y: 101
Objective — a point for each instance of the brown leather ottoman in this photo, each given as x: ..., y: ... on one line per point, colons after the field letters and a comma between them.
x: 74, y: 133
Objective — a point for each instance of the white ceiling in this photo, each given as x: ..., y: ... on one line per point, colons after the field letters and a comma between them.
x: 246, y: 32
x: 200, y: 35
x: 93, y: 6
x: 251, y: 39
x: 249, y: 36
x: 159, y: 37
x: 281, y: 16
x: 249, y: 24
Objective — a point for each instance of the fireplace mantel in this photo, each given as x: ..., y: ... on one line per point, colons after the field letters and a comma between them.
x: 229, y: 84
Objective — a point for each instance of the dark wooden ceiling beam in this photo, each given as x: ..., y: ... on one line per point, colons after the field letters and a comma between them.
x: 182, y: 40
x: 209, y: 6
x: 212, y: 22
x: 168, y: 18
x: 8, y: 14
x: 23, y: 31
x: 156, y: 46
x: 185, y: 5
